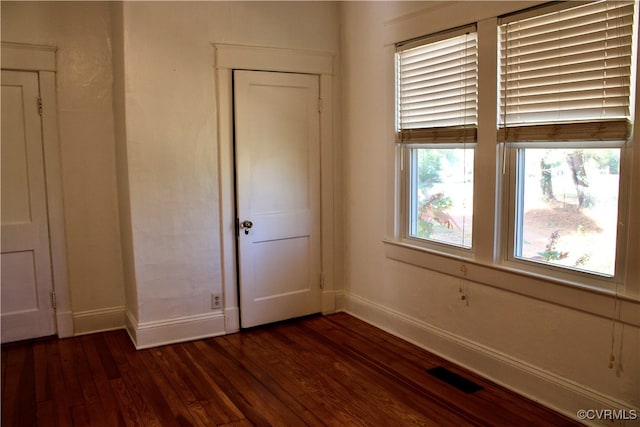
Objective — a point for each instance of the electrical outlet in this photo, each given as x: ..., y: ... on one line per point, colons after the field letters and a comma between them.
x: 216, y: 301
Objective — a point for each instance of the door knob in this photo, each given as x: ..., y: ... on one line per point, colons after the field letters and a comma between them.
x: 246, y: 225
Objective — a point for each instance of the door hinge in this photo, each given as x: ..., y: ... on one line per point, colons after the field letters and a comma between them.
x: 54, y: 303
x: 40, y: 106
x: 320, y: 105
x: 321, y: 280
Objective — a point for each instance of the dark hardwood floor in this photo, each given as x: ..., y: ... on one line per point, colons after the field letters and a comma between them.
x: 333, y: 370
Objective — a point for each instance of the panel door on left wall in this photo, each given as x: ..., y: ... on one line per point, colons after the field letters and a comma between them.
x: 27, y: 282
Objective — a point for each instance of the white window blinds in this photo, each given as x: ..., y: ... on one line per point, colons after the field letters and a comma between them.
x: 437, y: 88
x: 566, y: 74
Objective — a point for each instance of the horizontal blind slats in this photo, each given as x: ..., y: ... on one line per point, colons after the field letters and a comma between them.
x: 437, y: 87
x: 544, y: 87
x: 547, y: 113
x: 438, y: 62
x: 433, y: 78
x: 604, y: 51
x: 567, y: 37
x: 586, y: 70
x: 444, y: 134
x: 574, y: 16
x: 420, y: 119
x: 566, y: 66
x: 438, y: 94
x: 598, y: 131
x: 435, y: 106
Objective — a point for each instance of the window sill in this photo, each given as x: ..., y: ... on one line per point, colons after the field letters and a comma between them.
x: 578, y: 296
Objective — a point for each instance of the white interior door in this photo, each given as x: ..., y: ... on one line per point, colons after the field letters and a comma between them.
x: 277, y: 125
x: 25, y: 260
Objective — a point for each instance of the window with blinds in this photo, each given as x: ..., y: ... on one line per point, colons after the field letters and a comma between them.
x: 437, y: 88
x: 565, y: 116
x: 437, y: 116
x: 563, y: 110
x: 565, y: 73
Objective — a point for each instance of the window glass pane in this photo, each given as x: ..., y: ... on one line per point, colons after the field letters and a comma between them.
x: 567, y: 207
x: 441, y: 195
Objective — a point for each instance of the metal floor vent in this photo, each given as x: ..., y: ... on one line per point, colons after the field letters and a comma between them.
x: 454, y: 379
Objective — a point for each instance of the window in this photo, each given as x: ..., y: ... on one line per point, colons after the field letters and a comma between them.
x: 436, y: 124
x: 565, y: 120
x: 556, y: 92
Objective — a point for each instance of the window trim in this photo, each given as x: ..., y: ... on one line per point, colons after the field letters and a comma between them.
x: 488, y: 237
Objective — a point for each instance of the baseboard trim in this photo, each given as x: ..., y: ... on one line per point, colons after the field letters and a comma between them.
x: 92, y: 321
x: 328, y: 301
x: 232, y: 319
x: 64, y: 324
x: 551, y: 390
x: 181, y: 329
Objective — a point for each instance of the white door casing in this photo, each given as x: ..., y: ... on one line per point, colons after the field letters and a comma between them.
x: 42, y: 60
x: 27, y: 310
x: 227, y: 58
x: 277, y: 124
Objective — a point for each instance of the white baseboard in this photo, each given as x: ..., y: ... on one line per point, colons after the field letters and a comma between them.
x: 162, y: 332
x: 328, y: 302
x: 91, y: 321
x: 231, y: 319
x: 551, y: 390
x: 64, y: 324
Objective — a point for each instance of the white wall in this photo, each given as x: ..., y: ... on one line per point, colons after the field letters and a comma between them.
x: 549, y: 351
x: 82, y: 34
x: 171, y: 144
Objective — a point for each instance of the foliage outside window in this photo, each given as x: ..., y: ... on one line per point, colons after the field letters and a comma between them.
x: 441, y: 195
x: 568, y: 207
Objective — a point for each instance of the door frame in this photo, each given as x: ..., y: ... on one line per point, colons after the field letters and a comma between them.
x: 236, y: 57
x: 42, y: 60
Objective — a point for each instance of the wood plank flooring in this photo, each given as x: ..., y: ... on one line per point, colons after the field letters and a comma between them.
x: 333, y: 370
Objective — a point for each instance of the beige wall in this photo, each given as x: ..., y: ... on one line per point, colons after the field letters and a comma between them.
x: 139, y: 155
x: 517, y: 340
x: 82, y: 34
x: 137, y: 113
x: 171, y: 132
